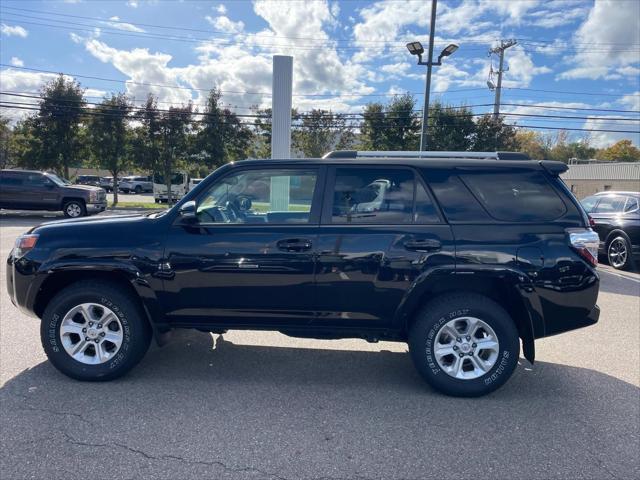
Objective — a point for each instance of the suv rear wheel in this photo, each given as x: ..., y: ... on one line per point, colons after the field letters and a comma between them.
x: 464, y: 345
x: 74, y: 209
x: 138, y: 190
x: 93, y: 331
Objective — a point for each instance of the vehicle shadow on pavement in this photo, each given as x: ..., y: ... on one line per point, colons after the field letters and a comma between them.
x: 195, y: 410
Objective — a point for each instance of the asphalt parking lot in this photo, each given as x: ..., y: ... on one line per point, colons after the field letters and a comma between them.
x: 253, y: 405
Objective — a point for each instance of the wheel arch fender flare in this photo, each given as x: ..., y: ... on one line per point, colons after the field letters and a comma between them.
x: 509, y: 287
x: 58, y: 275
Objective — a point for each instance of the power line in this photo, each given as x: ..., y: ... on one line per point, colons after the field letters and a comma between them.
x: 267, y: 94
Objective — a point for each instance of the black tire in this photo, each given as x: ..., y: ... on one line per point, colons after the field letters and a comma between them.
x: 621, y: 242
x: 434, y: 315
x: 72, y: 206
x: 138, y: 190
x: 136, y: 331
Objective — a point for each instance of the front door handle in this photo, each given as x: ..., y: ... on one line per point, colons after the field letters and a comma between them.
x: 294, y: 244
x: 426, y: 245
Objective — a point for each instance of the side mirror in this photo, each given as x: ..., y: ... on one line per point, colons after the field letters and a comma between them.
x: 188, y: 210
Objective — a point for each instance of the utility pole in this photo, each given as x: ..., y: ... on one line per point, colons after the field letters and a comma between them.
x: 427, y: 88
x: 504, y: 44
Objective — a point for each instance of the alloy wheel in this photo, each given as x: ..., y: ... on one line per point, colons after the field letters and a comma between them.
x: 91, y: 333
x: 74, y: 210
x: 466, y: 348
x: 617, y: 252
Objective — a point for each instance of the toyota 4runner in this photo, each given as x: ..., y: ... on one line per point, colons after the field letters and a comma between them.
x: 465, y: 256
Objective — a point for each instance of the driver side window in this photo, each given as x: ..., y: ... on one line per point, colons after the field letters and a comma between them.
x: 259, y: 196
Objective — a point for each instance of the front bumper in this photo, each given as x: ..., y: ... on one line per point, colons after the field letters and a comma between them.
x: 96, y: 207
x: 23, y: 283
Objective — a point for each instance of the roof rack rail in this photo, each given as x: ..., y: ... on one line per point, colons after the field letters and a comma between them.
x: 430, y: 154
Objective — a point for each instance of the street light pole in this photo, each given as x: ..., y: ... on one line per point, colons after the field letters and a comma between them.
x: 427, y: 89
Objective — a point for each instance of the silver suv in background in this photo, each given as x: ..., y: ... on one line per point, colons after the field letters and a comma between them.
x: 135, y: 184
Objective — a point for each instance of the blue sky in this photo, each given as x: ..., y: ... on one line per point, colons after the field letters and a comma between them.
x: 571, y: 54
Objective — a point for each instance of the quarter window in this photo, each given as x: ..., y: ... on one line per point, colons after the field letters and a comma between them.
x: 516, y: 196
x: 380, y: 196
x: 259, y: 196
x: 631, y: 205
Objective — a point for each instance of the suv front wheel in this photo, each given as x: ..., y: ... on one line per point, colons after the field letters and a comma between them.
x: 464, y: 345
x: 93, y: 331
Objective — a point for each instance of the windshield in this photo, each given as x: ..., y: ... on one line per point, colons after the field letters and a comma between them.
x: 177, y: 179
x: 57, y: 180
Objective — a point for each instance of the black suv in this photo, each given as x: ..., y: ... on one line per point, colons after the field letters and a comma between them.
x: 33, y: 190
x: 616, y: 218
x: 460, y: 255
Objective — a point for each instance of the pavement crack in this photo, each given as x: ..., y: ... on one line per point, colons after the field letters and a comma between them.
x: 175, y: 458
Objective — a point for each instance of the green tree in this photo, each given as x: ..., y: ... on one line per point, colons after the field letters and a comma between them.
x: 493, y: 134
x: 621, y: 151
x: 146, y: 137
x: 373, y: 127
x: 108, y: 137
x: 391, y: 127
x: 6, y: 142
x: 175, y: 128
x: 58, y: 124
x: 450, y: 128
x: 222, y: 137
x: 321, y: 131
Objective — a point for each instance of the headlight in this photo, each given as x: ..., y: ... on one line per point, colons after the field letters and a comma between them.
x: 93, y: 196
x: 24, y: 243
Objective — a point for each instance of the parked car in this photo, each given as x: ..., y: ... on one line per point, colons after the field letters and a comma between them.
x: 106, y: 183
x: 136, y: 185
x: 193, y: 182
x: 616, y: 218
x: 33, y: 190
x: 93, y: 180
x: 465, y: 256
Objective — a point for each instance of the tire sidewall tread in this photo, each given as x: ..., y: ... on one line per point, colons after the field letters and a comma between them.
x: 437, y: 313
x: 136, y: 331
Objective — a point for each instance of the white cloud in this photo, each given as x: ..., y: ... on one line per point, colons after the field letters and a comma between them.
x: 521, y: 68
x: 132, y: 3
x: 142, y: 66
x: 607, y: 40
x: 224, y: 24
x: 630, y: 101
x: 605, y: 139
x: 117, y: 24
x: 221, y: 9
x: 16, y: 62
x: 13, y: 30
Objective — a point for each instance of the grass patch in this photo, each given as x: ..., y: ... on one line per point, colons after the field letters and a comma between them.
x: 150, y: 206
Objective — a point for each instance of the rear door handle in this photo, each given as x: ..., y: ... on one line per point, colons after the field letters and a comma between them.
x: 426, y: 245
x: 294, y: 244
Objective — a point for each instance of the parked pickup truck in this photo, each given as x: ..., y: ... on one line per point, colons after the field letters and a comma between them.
x: 33, y: 190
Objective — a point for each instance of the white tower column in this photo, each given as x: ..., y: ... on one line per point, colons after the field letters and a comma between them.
x: 281, y: 126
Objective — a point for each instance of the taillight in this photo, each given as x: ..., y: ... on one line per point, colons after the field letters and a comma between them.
x: 592, y: 222
x: 585, y: 242
x: 24, y: 243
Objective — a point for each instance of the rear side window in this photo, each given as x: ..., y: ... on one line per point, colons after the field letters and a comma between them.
x: 516, y: 196
x: 454, y: 197
x: 389, y: 196
x: 611, y: 204
x: 9, y: 180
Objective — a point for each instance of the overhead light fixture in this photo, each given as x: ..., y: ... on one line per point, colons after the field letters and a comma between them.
x: 448, y: 50
x: 415, y: 48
